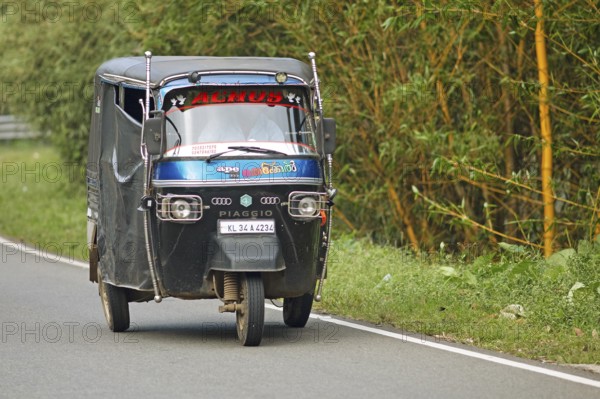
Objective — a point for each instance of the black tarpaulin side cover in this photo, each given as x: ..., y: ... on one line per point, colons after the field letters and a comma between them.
x: 121, y: 242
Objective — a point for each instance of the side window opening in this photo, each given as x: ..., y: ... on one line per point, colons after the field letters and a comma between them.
x: 129, y: 100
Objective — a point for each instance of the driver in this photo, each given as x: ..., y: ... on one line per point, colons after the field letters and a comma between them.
x: 258, y: 126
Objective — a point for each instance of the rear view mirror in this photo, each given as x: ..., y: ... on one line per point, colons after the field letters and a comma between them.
x: 329, y: 129
x: 154, y: 132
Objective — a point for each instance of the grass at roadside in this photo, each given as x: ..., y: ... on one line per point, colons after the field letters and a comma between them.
x: 458, y: 298
x: 469, y: 299
x: 40, y: 204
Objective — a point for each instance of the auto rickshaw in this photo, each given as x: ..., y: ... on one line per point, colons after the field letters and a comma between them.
x: 210, y: 177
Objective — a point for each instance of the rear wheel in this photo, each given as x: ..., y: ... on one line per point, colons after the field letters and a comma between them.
x: 115, y: 305
x: 297, y: 310
x: 250, y: 316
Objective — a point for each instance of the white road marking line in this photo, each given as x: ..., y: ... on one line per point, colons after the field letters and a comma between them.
x: 447, y: 348
x: 21, y: 247
x: 403, y: 337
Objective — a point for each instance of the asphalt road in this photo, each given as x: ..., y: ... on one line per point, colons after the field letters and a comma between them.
x: 54, y: 342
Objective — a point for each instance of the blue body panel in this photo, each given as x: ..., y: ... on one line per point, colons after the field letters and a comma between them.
x: 240, y: 171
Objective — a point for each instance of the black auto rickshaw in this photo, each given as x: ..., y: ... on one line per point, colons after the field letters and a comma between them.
x: 210, y: 177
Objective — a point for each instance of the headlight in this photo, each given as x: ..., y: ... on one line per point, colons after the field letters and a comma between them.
x: 306, y: 205
x: 179, y: 208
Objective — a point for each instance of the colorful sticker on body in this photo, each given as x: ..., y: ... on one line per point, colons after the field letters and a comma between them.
x: 270, y: 168
x: 232, y: 171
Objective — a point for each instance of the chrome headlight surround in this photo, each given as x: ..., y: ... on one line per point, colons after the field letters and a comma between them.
x: 179, y: 208
x: 306, y: 205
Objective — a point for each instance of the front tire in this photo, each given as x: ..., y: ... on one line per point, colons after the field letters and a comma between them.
x: 296, y: 311
x: 114, y: 305
x: 250, y: 317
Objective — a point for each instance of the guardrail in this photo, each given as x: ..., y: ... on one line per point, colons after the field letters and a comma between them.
x: 12, y: 128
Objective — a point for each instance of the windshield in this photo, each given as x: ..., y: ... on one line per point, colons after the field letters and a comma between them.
x: 202, y: 121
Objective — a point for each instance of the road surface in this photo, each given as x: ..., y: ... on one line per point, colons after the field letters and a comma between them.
x: 54, y: 341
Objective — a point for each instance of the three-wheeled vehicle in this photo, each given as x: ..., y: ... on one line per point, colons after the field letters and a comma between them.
x: 210, y: 177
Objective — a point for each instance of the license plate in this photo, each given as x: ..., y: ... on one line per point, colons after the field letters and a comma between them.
x: 247, y: 226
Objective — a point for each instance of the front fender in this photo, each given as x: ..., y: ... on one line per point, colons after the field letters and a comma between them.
x: 245, y: 253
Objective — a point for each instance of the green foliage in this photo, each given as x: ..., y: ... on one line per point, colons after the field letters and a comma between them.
x: 47, y: 210
x: 49, y: 58
x: 441, y: 96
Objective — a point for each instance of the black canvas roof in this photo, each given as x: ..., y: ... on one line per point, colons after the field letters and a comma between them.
x: 166, y: 68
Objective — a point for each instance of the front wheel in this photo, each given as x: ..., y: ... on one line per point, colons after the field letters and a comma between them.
x: 250, y: 315
x: 115, y: 305
x: 297, y: 310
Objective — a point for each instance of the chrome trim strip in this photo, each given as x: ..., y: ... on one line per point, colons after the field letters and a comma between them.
x: 235, y: 183
x: 119, y: 78
x: 226, y: 72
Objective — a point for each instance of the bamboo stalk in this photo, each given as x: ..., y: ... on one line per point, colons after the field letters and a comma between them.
x: 410, y: 231
x: 509, y: 152
x: 545, y: 129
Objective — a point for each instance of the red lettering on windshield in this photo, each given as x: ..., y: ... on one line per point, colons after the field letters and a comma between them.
x: 200, y: 98
x: 275, y: 97
x: 236, y: 97
x: 215, y: 98
x: 254, y: 99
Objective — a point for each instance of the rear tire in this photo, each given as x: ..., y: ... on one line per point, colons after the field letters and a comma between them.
x: 115, y: 306
x: 296, y: 311
x: 250, y: 318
